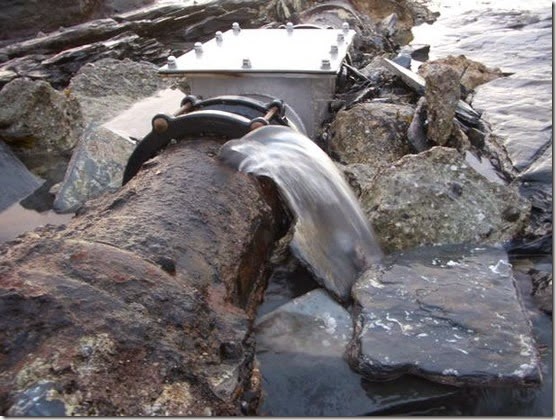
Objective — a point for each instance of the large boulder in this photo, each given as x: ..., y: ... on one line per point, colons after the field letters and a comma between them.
x: 106, y: 89
x: 449, y: 314
x: 435, y: 197
x: 371, y: 133
x: 143, y: 305
x: 108, y: 86
x: 40, y: 124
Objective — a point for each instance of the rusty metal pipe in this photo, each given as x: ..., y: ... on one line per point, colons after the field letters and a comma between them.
x: 144, y: 302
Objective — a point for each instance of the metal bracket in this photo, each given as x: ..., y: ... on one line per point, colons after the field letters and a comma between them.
x: 223, y: 116
x: 198, y: 123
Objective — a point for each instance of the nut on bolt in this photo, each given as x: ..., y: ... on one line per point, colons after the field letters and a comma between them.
x: 198, y: 48
x: 172, y: 62
x: 236, y: 28
x: 289, y: 27
x: 325, y: 64
x: 345, y: 27
x: 218, y: 36
x: 333, y: 49
x: 160, y: 125
x: 246, y: 63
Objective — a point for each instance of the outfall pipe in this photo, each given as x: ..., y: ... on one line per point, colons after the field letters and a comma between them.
x: 143, y: 304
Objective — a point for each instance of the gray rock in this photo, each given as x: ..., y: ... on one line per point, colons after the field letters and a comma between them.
x: 109, y: 86
x: 449, y: 314
x: 442, y: 93
x: 435, y: 197
x: 371, y: 133
x: 105, y: 89
x: 97, y: 165
x: 17, y: 181
x: 470, y: 73
x: 300, y: 347
x: 7, y: 76
x: 40, y: 124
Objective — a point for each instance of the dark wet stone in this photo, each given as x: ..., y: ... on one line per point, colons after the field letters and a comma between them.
x: 97, y: 165
x: 449, y: 314
x: 476, y: 137
x: 542, y: 289
x: 39, y: 200
x: 419, y: 52
x: 300, y: 347
x: 17, y: 181
x: 417, y: 131
x: 403, y: 60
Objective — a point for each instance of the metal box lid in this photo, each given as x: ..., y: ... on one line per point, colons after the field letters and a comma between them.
x: 285, y: 51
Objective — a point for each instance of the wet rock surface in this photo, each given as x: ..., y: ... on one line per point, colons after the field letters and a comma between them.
x: 450, y: 314
x: 301, y: 346
x: 126, y: 313
x: 435, y: 197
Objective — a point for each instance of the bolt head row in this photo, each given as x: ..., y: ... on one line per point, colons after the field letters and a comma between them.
x: 246, y: 62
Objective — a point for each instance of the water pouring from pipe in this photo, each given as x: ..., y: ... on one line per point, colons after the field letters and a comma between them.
x: 332, y: 235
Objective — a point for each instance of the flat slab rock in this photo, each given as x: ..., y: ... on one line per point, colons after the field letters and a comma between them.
x: 300, y: 348
x: 449, y: 314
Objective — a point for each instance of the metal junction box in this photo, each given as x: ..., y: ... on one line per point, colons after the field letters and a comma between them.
x: 296, y: 65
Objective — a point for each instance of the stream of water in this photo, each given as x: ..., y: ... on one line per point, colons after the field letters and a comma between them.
x: 332, y: 235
